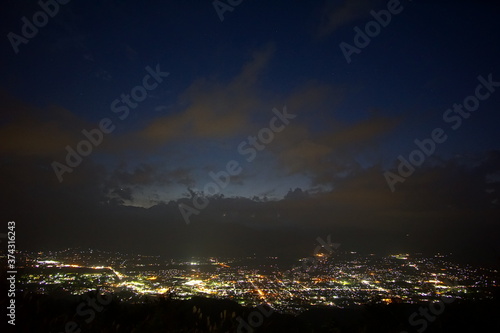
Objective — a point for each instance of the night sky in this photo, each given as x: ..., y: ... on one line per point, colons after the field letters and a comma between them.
x: 303, y: 121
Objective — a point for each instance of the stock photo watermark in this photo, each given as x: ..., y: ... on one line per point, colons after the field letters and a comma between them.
x: 254, y: 320
x: 428, y: 314
x: 372, y: 29
x: 249, y: 147
x: 120, y: 106
x: 454, y: 116
x: 328, y: 246
x: 11, y: 271
x: 422, y: 318
x: 88, y: 307
x: 221, y: 7
x: 40, y: 19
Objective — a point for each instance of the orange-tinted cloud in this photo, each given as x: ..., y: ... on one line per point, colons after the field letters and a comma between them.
x: 213, y: 109
x: 33, y: 132
x: 336, y: 16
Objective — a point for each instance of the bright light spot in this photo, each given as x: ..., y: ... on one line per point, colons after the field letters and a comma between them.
x: 193, y: 282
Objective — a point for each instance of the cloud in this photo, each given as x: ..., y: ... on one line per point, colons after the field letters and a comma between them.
x: 440, y: 204
x: 123, y: 193
x: 132, y: 184
x: 324, y: 154
x: 182, y: 176
x: 33, y: 132
x: 335, y: 16
x: 212, y: 109
x: 297, y: 194
x: 144, y: 174
x: 439, y: 193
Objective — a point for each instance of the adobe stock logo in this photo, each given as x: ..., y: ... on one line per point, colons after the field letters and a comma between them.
x: 254, y: 319
x: 88, y: 307
x: 328, y: 246
x: 454, y: 116
x: 29, y: 29
x: 425, y: 316
x: 249, y: 147
x: 95, y: 136
x: 372, y: 29
x: 221, y: 7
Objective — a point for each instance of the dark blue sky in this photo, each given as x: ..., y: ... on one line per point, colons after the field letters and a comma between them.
x: 352, y: 120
